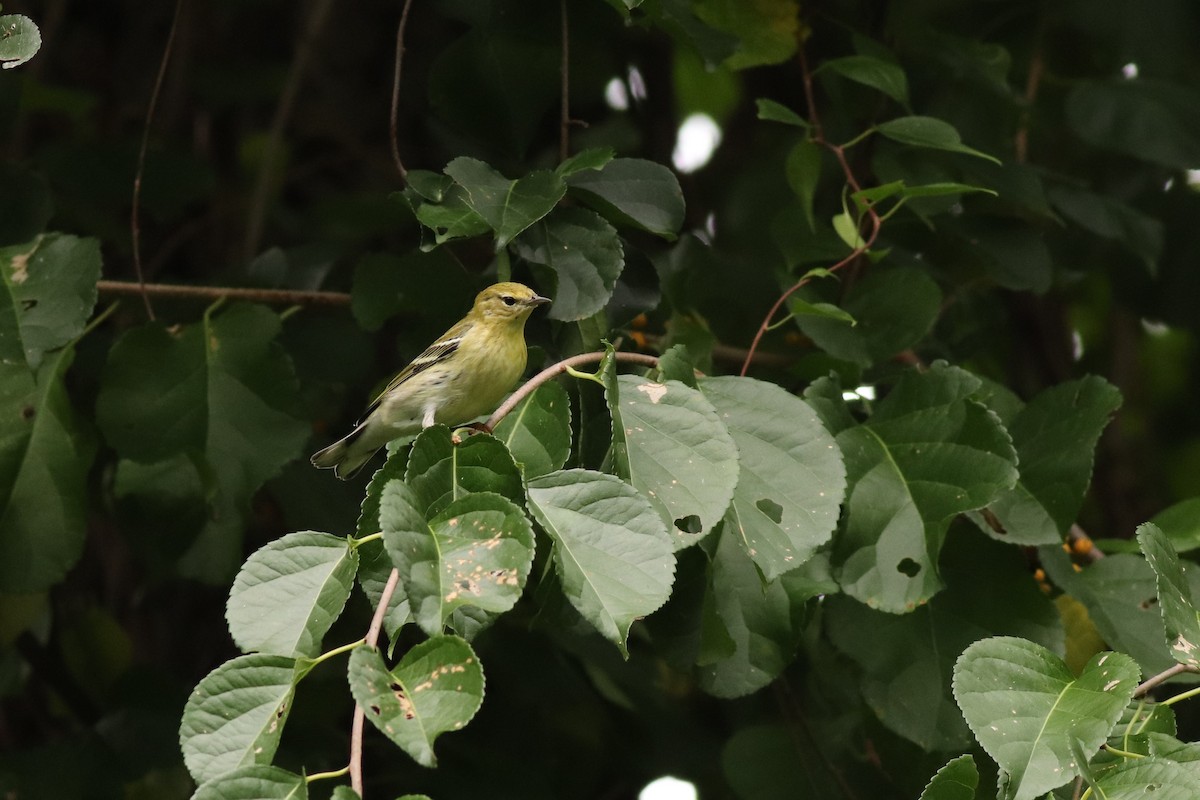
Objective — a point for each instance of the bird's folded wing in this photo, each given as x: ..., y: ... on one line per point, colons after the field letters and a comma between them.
x: 436, y: 353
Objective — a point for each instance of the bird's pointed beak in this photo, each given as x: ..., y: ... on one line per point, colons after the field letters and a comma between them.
x: 538, y: 300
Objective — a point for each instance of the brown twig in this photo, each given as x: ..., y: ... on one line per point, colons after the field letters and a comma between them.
x: 564, y: 114
x: 135, y: 228
x: 296, y: 297
x: 394, y: 122
x: 283, y: 112
x: 356, y: 727
x: 553, y: 371
x: 1033, y: 81
x: 874, y: 220
x: 1162, y: 677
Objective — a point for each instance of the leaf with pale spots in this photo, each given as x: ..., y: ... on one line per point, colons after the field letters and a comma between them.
x: 929, y: 453
x: 670, y: 445
x: 236, y: 714
x: 441, y: 472
x: 612, y: 554
x: 254, y: 783
x: 473, y: 556
x: 1027, y: 709
x: 792, y: 478
x: 538, y: 431
x: 1179, y: 613
x: 288, y: 593
x: 437, y: 687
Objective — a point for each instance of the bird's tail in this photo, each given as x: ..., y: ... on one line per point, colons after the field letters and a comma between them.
x: 342, y: 457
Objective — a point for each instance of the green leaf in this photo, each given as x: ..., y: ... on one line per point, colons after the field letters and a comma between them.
x: 346, y: 793
x: 768, y: 31
x: 436, y: 687
x: 441, y: 472
x: 289, y: 593
x: 44, y: 465
x: 772, y: 111
x: 20, y: 40
x: 1180, y: 618
x: 928, y: 132
x: 235, y: 715
x: 374, y: 569
x: 50, y: 284
x: 675, y: 364
x: 633, y: 192
x: 592, y: 158
x: 885, y: 76
x: 803, y: 171
x: 670, y: 445
x: 1149, y: 120
x: 1055, y: 437
x: 585, y: 254
x: 254, y: 783
x: 888, y: 311
x: 1025, y: 707
x: 1139, y: 778
x: 452, y: 218
x: 907, y: 659
x: 475, y: 555
x: 1112, y: 219
x: 846, y: 227
x: 762, y: 621
x: 611, y: 552
x: 955, y: 781
x: 791, y: 480
x: 368, y: 514
x: 928, y: 453
x: 1181, y: 524
x: 538, y: 431
x: 508, y: 207
x: 223, y: 390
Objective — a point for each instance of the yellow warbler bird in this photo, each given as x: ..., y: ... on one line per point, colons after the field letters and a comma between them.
x: 461, y: 376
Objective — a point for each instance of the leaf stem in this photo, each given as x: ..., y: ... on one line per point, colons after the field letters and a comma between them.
x: 336, y: 652
x: 369, y: 538
x: 321, y: 776
x: 1122, y: 753
x: 1181, y: 696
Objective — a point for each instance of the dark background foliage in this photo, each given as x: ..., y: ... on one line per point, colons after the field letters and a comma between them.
x: 269, y: 165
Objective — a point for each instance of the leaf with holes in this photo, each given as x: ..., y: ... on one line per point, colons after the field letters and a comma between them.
x: 670, y: 445
x: 791, y: 478
x: 20, y: 40
x: 288, y: 594
x: 471, y: 557
x: 927, y: 454
x: 633, y: 192
x: 612, y: 554
x: 254, y: 783
x: 1180, y: 618
x: 235, y: 715
x: 1025, y: 708
x: 955, y: 781
x: 436, y: 687
x: 49, y: 286
x: 1055, y: 437
x: 441, y: 472
x: 538, y: 431
x: 585, y: 255
x: 508, y: 207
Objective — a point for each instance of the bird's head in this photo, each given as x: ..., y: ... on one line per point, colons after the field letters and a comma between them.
x: 507, y: 301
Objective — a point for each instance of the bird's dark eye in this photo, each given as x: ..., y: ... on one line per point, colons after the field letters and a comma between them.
x: 509, y: 300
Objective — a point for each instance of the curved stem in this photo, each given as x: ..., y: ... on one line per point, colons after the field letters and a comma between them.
x: 393, y: 123
x: 356, y: 727
x: 553, y: 371
x: 135, y: 228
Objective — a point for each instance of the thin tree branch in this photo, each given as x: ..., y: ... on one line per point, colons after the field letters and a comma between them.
x: 356, y: 727
x: 553, y: 371
x: 283, y: 112
x: 271, y: 296
x: 135, y: 228
x: 564, y: 114
x: 1162, y: 677
x: 393, y: 123
x: 873, y: 218
x: 1033, y: 81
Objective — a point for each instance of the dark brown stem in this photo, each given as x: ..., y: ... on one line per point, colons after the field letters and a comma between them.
x: 294, y: 297
x: 874, y: 221
x: 356, y: 727
x: 394, y: 122
x: 564, y: 117
x: 283, y: 112
x: 135, y: 228
x: 553, y: 371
